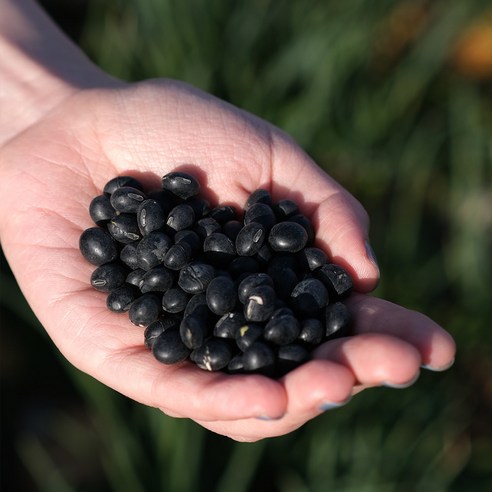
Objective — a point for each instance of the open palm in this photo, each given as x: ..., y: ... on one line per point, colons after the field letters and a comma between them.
x: 50, y: 173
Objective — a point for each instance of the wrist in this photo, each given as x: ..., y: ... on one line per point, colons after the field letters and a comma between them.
x: 39, y: 67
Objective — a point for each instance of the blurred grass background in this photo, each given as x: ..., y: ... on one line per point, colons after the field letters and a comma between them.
x: 394, y: 100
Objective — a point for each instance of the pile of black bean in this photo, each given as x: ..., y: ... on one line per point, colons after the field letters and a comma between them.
x: 238, y: 292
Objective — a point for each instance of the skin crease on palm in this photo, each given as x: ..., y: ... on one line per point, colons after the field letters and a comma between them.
x: 50, y: 171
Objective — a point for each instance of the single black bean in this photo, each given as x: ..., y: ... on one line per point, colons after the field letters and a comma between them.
x: 236, y: 364
x: 145, y: 309
x: 193, y: 331
x: 195, y: 277
x: 154, y: 330
x: 157, y: 279
x: 258, y: 196
x: 124, y: 228
x: 128, y: 255
x: 221, y: 295
x: 190, y: 237
x: 181, y: 217
x: 127, y: 199
x: 312, y: 258
x: 214, y: 355
x: 229, y: 324
x: 260, y: 303
x: 152, y: 249
x: 289, y: 357
x: 337, y: 320
x: 259, y: 358
x: 98, y: 246
x: 231, y: 229
x: 248, y: 334
x: 250, y: 239
x: 336, y: 279
x: 175, y: 300
x: 303, y: 221
x: 197, y: 305
x: 287, y: 236
x: 219, y: 249
x: 178, y: 255
x: 309, y: 297
x: 264, y: 255
x: 312, y: 331
x: 101, y: 210
x: 168, y: 348
x: 150, y: 216
x: 181, y: 184
x: 249, y: 283
x: 285, y: 208
x: 281, y: 311
x: 261, y: 213
x: 282, y: 330
x: 108, y: 277
x: 119, y: 182
x: 120, y: 299
x: 200, y: 206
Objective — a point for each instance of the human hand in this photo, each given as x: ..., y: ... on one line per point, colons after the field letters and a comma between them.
x: 51, y: 171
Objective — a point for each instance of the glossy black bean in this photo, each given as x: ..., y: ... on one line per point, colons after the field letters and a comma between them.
x: 264, y: 255
x: 120, y: 299
x: 128, y: 255
x: 193, y: 331
x: 152, y: 249
x: 124, y: 228
x: 248, y: 334
x: 236, y: 364
x: 250, y: 239
x: 175, y: 300
x: 150, y: 216
x: 223, y: 214
x: 243, y: 265
x: 312, y: 258
x: 181, y: 184
x: 303, y: 221
x: 285, y: 208
x: 98, y: 246
x: 258, y: 196
x: 145, y: 309
x: 135, y: 277
x: 157, y: 279
x: 156, y: 328
x: 336, y: 279
x: 206, y: 226
x: 127, y: 199
x: 214, y: 355
x: 281, y: 311
x: 195, y: 277
x: 181, y: 217
x: 259, y: 358
x: 260, y: 303
x: 221, y: 295
x: 228, y: 325
x: 108, y: 277
x: 289, y: 357
x: 309, y: 297
x: 219, y: 249
x: 231, y: 229
x: 168, y: 348
x: 119, y: 182
x: 251, y: 282
x: 197, y: 305
x: 337, y: 320
x: 101, y: 210
x: 178, y: 255
x: 282, y: 330
x: 287, y: 236
x: 190, y: 237
x: 312, y: 331
x: 261, y: 213
x: 200, y: 206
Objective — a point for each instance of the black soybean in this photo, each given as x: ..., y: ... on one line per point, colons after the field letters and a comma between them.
x: 336, y: 279
x: 249, y: 283
x: 282, y: 330
x: 258, y: 196
x: 193, y: 331
x: 97, y: 246
x: 337, y: 319
x: 124, y: 228
x: 178, y: 255
x: 181, y: 217
x: 312, y: 331
x: 229, y: 324
x: 120, y: 299
x: 214, y: 355
x: 312, y: 258
x: 135, y: 277
x: 113, y: 184
x: 288, y: 236
x: 285, y: 208
x: 219, y: 249
x: 108, y: 277
x: 154, y: 330
x: 248, y: 334
x: 260, y: 303
x: 150, y: 216
x: 259, y: 358
x: 181, y: 184
x: 221, y: 295
x: 128, y: 255
x: 101, y: 210
x: 158, y: 279
x: 175, y: 300
x: 152, y: 249
x: 127, y: 199
x: 168, y: 348
x: 250, y: 239
x: 195, y: 277
x: 145, y: 309
x: 309, y: 296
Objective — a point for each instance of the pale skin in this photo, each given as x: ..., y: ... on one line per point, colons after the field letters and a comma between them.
x: 66, y: 128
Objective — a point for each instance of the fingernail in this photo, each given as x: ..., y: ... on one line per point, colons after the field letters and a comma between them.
x: 437, y: 369
x: 267, y: 418
x: 330, y: 405
x: 389, y: 384
x: 371, y: 255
